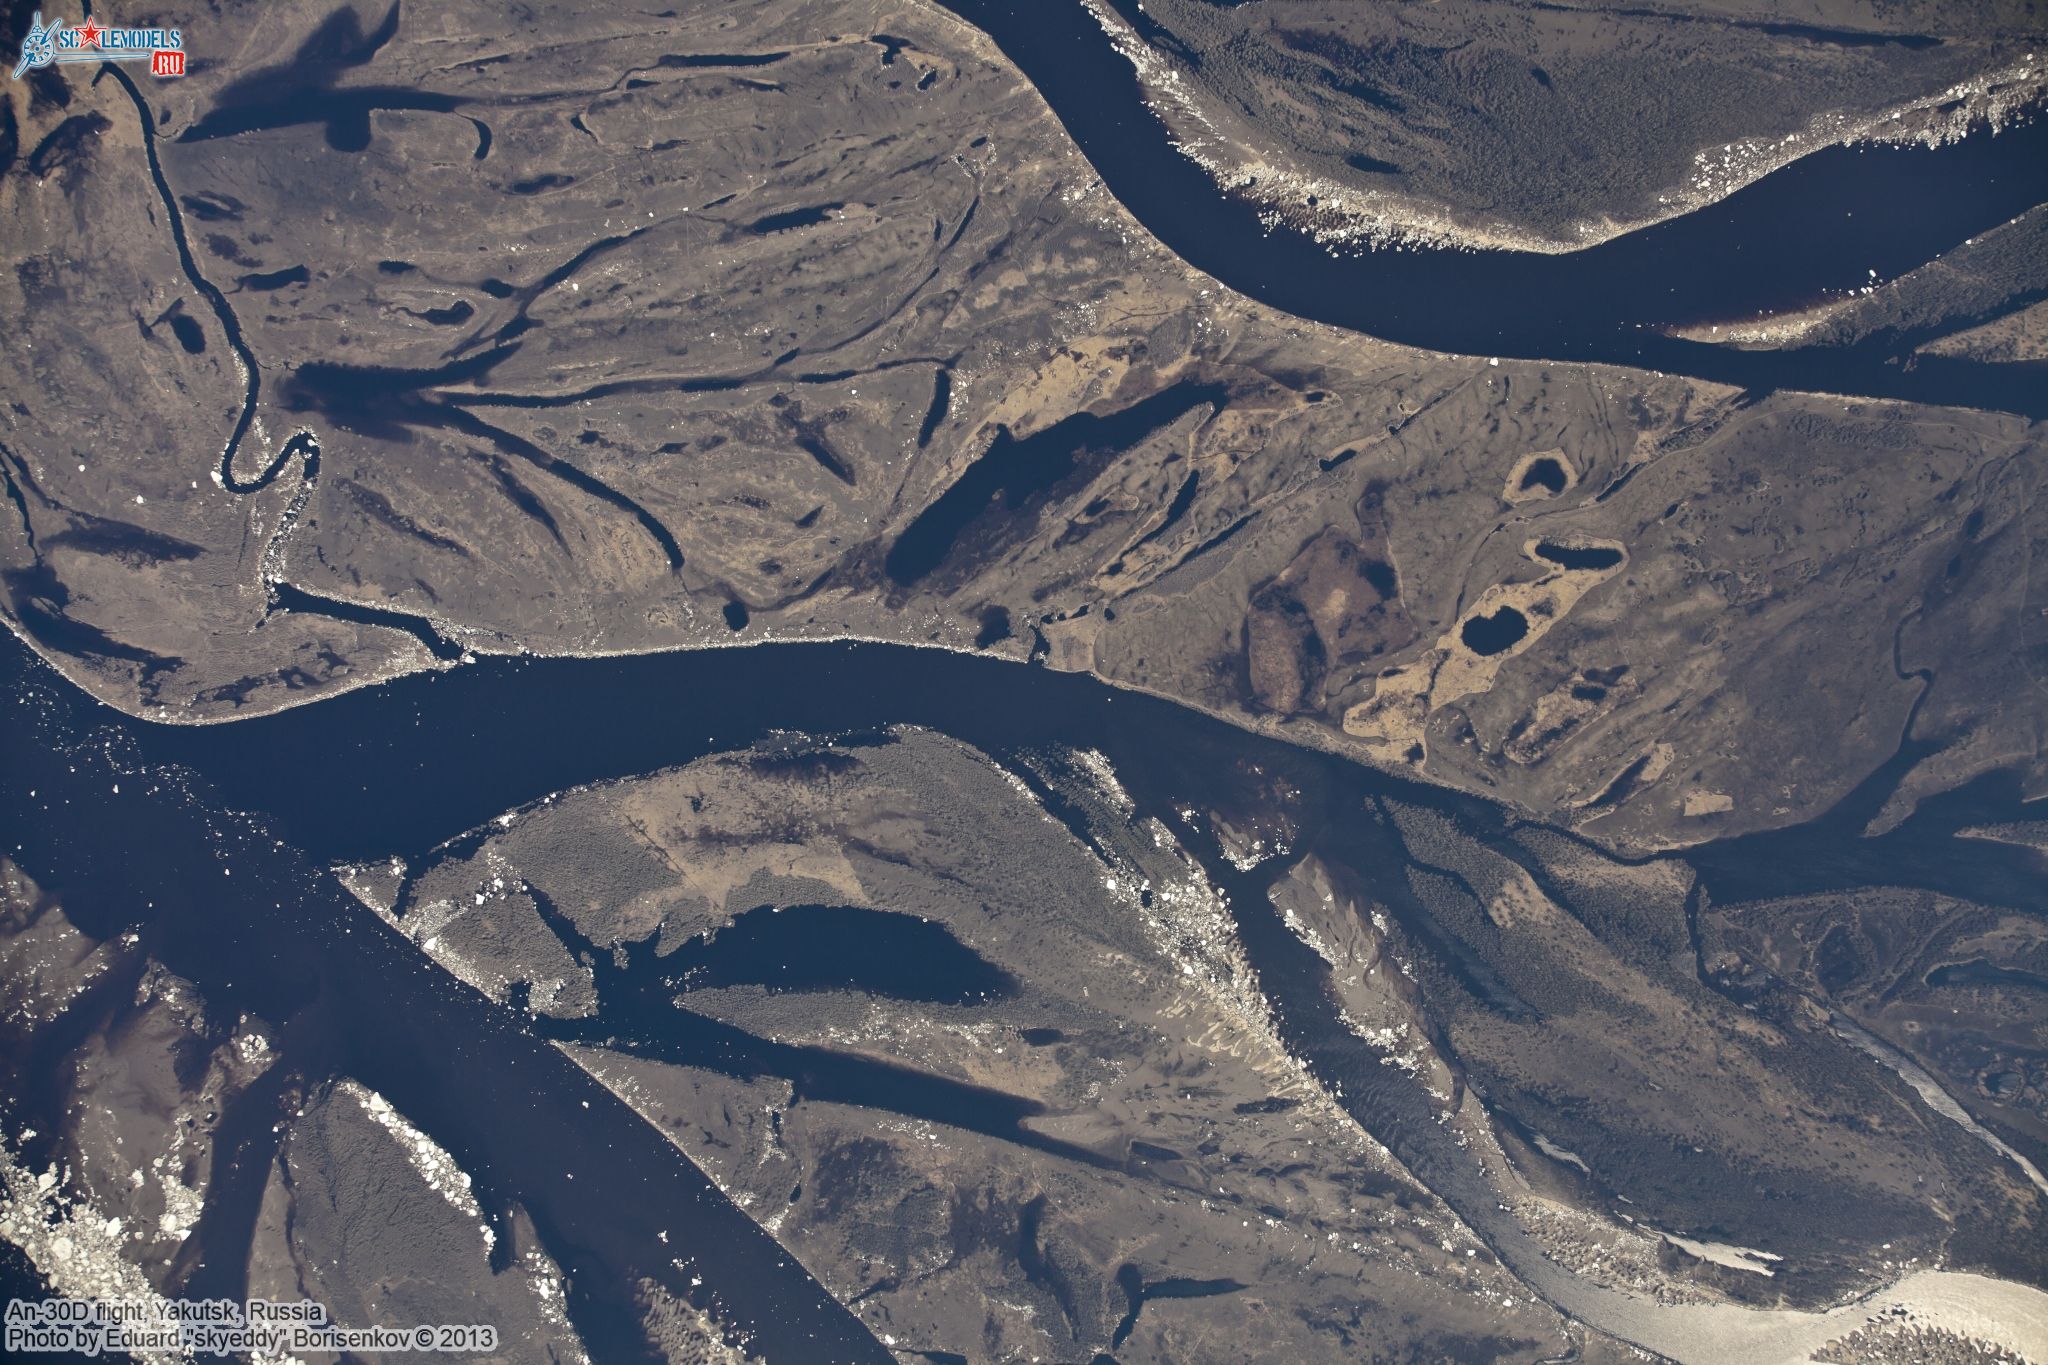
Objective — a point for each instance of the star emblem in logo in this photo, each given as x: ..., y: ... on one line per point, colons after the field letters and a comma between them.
x: 89, y: 34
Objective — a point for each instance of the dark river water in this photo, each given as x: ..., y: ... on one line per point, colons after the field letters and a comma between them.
x: 216, y: 841
x: 1816, y: 227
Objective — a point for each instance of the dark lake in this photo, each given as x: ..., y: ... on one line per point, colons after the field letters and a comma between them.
x: 1501, y: 630
x: 839, y: 947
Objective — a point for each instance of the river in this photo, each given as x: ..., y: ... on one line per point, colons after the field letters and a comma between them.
x: 1817, y: 227
x: 400, y: 768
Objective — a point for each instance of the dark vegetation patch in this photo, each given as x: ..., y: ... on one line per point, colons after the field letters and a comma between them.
x: 808, y: 763
x: 302, y: 89
x: 1978, y: 972
x: 377, y: 507
x: 1038, y: 1267
x: 682, y: 61
x: 1002, y: 490
x: 47, y: 90
x: 40, y: 601
x: 526, y: 500
x: 70, y: 143
x: 223, y: 247
x: 211, y: 207
x: 1622, y: 787
x: 792, y: 218
x: 1337, y: 602
x: 811, y: 436
x: 1182, y: 500
x: 1371, y: 165
x: 942, y: 398
x: 265, y: 281
x: 134, y: 545
x: 1812, y: 33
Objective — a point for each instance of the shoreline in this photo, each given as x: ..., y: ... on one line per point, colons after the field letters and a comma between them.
x: 1343, y: 217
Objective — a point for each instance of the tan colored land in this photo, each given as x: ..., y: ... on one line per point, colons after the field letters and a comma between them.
x: 649, y: 378
x: 1139, y: 1026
